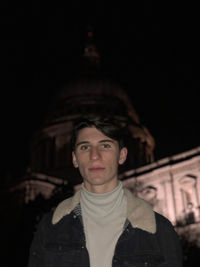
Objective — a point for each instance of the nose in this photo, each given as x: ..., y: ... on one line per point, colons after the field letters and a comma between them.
x: 94, y: 153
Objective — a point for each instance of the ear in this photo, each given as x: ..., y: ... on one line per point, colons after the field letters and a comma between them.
x: 74, y: 160
x: 123, y: 155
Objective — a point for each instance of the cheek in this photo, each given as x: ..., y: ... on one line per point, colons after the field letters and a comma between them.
x: 112, y: 161
x: 82, y: 164
x: 83, y: 171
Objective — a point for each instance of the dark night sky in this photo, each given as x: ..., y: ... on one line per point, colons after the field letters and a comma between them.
x: 151, y: 47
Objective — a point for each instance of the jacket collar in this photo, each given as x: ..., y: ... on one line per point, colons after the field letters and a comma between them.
x: 139, y: 212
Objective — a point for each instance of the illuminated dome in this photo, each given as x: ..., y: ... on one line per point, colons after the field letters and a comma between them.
x: 88, y: 93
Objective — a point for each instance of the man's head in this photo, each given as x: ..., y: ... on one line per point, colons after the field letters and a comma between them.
x: 98, y: 149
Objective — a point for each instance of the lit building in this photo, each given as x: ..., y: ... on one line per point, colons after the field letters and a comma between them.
x: 172, y: 186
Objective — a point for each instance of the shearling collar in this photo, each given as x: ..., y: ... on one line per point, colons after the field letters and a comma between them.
x: 139, y: 212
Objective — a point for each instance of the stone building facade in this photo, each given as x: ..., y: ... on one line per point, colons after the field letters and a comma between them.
x: 172, y: 186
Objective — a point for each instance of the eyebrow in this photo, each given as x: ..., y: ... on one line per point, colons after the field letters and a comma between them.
x: 101, y: 141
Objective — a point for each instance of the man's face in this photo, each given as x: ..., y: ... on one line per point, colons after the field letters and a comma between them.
x: 97, y: 157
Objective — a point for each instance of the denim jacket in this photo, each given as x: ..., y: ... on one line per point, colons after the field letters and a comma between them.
x: 148, y: 239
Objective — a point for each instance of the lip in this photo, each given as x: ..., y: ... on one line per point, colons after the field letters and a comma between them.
x: 96, y: 169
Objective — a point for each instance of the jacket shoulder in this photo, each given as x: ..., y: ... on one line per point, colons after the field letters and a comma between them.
x: 61, y: 210
x: 164, y: 226
x: 65, y: 207
x: 162, y: 220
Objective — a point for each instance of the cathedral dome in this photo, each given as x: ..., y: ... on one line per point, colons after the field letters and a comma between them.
x: 86, y: 94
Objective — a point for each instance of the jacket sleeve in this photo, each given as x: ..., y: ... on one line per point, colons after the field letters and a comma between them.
x: 36, y: 252
x: 169, y: 242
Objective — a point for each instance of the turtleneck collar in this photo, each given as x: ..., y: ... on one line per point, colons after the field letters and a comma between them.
x: 97, y: 206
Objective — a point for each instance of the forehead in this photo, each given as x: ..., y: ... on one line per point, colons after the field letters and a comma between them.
x: 91, y: 134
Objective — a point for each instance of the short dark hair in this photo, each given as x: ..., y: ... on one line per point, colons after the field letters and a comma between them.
x: 108, y: 126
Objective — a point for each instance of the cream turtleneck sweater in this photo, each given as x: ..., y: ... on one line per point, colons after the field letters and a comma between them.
x: 104, y: 216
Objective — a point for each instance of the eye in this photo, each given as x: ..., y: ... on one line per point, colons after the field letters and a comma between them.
x: 106, y: 145
x: 84, y: 147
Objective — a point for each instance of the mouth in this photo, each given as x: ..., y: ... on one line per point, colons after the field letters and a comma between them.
x: 96, y: 169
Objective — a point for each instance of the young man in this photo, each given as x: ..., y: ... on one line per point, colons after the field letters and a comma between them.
x: 103, y: 224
